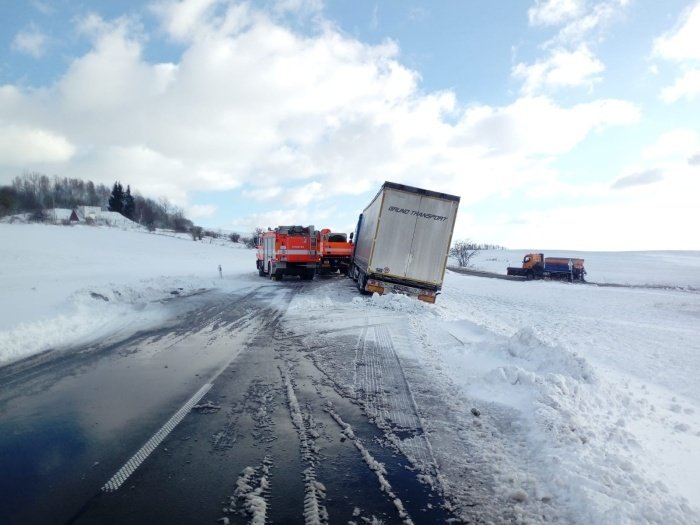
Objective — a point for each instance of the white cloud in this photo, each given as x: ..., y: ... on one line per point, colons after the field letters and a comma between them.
x: 30, y: 41
x: 560, y: 69
x: 45, y: 8
x: 305, y: 7
x: 682, y: 43
x: 273, y: 218
x: 686, y: 86
x: 626, y: 220
x: 569, y: 61
x: 22, y: 146
x: 112, y: 77
x: 263, y: 194
x: 537, y: 126
x: 295, y: 195
x: 554, y: 12
x: 183, y: 20
x: 676, y: 144
x: 596, y: 18
x: 198, y: 211
x: 252, y: 104
x: 682, y: 46
x: 374, y: 20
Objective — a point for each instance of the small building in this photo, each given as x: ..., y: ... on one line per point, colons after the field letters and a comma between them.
x: 58, y: 215
x: 89, y: 212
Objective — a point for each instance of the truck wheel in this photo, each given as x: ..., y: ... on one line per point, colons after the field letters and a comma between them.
x: 530, y: 275
x: 308, y: 275
x: 361, y: 283
x: 261, y: 269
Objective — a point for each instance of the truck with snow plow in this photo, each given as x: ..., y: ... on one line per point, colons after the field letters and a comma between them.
x: 537, y: 266
x: 334, y: 252
x: 402, y: 240
x: 287, y: 250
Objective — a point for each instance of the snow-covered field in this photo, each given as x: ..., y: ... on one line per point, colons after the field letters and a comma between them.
x: 658, y: 268
x: 66, y: 284
x: 588, y: 396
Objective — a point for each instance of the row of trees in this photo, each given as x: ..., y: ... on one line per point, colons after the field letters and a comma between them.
x: 33, y: 193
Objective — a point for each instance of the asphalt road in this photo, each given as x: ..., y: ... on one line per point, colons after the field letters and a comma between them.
x: 223, y: 415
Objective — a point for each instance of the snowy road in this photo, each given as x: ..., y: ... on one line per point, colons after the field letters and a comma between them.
x: 243, y: 408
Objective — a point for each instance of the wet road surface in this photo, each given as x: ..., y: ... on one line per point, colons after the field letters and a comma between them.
x: 228, y: 413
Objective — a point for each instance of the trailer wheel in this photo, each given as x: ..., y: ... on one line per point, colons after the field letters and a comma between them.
x: 361, y: 283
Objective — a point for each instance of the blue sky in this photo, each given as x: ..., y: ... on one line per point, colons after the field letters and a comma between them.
x: 569, y: 124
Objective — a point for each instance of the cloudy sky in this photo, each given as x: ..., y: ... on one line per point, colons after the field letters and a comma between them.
x: 571, y: 124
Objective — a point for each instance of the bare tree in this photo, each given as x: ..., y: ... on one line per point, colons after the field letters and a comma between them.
x: 463, y: 251
x: 251, y: 242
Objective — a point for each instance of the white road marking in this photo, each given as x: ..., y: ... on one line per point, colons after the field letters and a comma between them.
x: 130, y: 466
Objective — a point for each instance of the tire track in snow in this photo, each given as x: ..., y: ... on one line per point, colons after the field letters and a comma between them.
x: 315, y: 512
x: 374, y: 465
x: 383, y: 389
x: 252, y: 493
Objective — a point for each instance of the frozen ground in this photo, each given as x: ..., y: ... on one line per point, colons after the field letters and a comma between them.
x: 587, y: 399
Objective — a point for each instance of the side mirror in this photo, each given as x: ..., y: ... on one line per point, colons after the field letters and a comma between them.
x: 351, y: 235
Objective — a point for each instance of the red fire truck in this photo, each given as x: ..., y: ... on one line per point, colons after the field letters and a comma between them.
x: 287, y: 250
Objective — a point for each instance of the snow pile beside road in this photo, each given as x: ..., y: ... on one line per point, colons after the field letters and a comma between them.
x: 90, y: 316
x: 599, y: 385
x: 397, y: 303
x: 64, y: 285
x: 573, y: 425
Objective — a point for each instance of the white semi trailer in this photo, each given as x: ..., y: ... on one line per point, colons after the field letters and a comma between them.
x: 402, y: 241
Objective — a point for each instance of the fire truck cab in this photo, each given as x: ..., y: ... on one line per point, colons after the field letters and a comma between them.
x: 287, y: 250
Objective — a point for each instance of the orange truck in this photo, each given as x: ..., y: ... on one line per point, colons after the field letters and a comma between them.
x: 537, y: 266
x: 334, y: 252
x: 287, y: 250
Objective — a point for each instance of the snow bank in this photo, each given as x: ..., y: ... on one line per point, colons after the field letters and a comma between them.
x: 62, y: 285
x: 602, y: 382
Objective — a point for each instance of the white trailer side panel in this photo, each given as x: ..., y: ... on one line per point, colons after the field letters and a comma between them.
x: 392, y: 246
x: 431, y: 239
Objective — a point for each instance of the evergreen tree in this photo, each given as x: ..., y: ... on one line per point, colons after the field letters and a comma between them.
x: 116, y: 200
x: 129, y: 206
